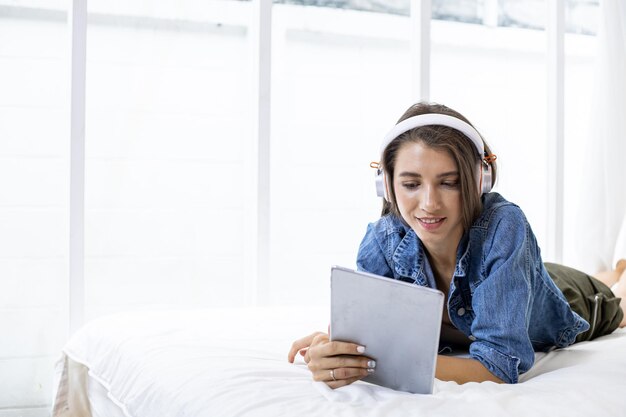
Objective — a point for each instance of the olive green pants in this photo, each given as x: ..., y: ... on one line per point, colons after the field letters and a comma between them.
x: 590, y: 298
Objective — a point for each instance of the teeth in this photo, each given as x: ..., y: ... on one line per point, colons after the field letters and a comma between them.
x: 430, y: 221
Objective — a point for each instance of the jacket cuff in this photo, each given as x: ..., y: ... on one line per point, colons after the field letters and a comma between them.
x: 505, y: 367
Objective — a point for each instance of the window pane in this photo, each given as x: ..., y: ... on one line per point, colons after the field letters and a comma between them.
x: 341, y: 79
x: 581, y: 16
x: 467, y: 11
x: 34, y: 152
x: 400, y: 7
x: 580, y: 84
x: 496, y: 77
x: 166, y: 134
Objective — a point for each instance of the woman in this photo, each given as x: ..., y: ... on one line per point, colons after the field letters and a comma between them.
x: 442, y: 228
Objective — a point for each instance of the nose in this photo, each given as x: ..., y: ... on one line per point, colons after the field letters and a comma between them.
x: 430, y: 199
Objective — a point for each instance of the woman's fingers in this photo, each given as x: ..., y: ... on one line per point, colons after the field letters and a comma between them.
x: 335, y: 348
x: 319, y: 344
x: 338, y: 371
x: 301, y: 345
x: 333, y: 362
x: 342, y: 376
x: 342, y: 361
x: 342, y: 382
x: 318, y: 339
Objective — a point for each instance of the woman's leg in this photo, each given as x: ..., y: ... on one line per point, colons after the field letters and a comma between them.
x: 610, y: 278
x: 619, y: 289
x: 616, y: 280
x: 590, y: 298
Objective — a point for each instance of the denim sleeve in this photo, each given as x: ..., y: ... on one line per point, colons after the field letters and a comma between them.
x: 502, y: 301
x: 371, y: 257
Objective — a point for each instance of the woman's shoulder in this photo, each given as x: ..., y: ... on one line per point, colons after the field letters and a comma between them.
x: 502, y: 225
x: 497, y: 210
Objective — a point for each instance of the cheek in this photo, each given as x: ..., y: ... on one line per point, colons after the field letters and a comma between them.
x: 405, y: 201
x: 455, y: 204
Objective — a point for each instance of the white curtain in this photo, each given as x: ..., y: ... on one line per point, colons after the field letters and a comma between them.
x: 602, y: 199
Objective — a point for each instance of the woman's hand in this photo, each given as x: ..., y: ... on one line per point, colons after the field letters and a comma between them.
x: 335, y: 363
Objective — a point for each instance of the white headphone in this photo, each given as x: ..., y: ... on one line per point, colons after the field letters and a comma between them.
x: 485, y: 179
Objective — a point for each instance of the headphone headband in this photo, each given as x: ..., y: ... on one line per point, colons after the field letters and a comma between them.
x: 485, y: 181
x: 435, y: 119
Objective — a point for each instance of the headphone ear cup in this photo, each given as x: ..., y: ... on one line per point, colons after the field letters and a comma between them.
x: 485, y: 178
x: 381, y: 185
x: 386, y: 194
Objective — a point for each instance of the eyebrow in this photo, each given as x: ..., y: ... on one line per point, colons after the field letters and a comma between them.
x: 414, y: 174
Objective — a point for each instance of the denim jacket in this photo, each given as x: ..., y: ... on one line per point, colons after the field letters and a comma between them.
x: 500, y: 297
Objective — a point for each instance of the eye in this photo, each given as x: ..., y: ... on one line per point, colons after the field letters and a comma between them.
x: 410, y: 185
x: 450, y: 184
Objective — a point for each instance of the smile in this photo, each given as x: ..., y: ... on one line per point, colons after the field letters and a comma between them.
x: 430, y: 224
x: 431, y: 220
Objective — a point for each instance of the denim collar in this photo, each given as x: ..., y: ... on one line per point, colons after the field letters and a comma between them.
x: 462, y: 256
x: 409, y: 259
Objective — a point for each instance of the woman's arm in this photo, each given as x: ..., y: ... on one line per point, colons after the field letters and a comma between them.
x: 350, y: 365
x: 462, y: 370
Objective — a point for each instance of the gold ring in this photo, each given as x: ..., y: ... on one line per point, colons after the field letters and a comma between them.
x: 332, y: 374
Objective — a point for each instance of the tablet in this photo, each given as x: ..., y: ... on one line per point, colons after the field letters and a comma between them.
x: 397, y: 322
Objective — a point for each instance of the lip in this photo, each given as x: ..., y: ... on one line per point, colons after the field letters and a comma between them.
x: 430, y: 225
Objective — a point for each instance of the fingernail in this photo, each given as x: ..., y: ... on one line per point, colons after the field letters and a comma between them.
x: 370, y: 370
x: 371, y: 364
x: 360, y: 349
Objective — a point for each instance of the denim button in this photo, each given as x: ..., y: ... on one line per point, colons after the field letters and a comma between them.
x: 460, y: 311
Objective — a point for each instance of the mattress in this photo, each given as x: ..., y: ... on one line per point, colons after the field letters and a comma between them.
x: 233, y: 362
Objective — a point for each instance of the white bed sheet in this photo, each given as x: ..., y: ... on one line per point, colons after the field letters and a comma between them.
x: 100, y: 402
x: 232, y: 362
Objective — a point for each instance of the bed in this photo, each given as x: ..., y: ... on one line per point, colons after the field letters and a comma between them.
x: 232, y: 362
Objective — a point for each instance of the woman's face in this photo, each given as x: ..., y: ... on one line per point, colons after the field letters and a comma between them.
x: 426, y: 184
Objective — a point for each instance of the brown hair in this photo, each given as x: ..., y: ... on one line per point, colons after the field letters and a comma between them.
x: 443, y: 138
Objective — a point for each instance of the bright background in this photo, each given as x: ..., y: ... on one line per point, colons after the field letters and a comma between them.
x: 169, y: 188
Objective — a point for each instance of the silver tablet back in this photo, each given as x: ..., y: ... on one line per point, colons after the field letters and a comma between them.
x: 397, y: 322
